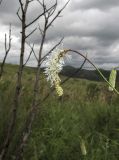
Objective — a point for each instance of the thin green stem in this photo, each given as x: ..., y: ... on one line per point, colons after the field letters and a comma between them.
x: 70, y: 50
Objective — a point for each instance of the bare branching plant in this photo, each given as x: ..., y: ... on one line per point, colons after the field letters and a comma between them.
x: 21, y: 13
x: 7, y: 49
x: 49, y: 17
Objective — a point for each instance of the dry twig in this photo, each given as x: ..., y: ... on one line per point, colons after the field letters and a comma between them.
x: 7, y: 49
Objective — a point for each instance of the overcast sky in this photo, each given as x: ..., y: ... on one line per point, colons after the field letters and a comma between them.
x: 89, y: 26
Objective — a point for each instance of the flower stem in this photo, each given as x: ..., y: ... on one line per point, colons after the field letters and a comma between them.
x: 70, y: 50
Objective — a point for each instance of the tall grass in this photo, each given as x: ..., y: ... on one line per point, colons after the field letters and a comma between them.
x: 87, y: 113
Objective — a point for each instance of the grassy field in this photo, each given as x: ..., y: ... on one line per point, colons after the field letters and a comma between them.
x: 83, y: 125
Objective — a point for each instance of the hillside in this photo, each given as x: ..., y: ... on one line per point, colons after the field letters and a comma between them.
x: 86, y: 74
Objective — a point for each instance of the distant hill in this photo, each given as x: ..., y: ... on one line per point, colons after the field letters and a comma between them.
x: 86, y: 74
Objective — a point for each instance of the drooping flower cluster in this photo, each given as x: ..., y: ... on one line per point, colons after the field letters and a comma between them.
x: 112, y: 79
x: 54, y: 64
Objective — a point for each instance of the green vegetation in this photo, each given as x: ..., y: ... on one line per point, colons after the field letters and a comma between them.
x: 87, y: 113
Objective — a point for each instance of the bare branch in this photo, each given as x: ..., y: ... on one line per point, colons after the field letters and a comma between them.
x: 77, y: 71
x: 35, y: 20
x: 5, y: 43
x: 31, y: 1
x: 30, y: 33
x: 52, y: 10
x: 29, y: 56
x: 21, y: 5
x: 41, y: 31
x: 9, y: 38
x: 18, y: 14
x: 40, y: 2
x: 7, y: 49
x: 50, y: 23
x: 26, y: 6
x: 38, y: 17
x: 33, y: 51
x: 42, y: 59
x: 35, y: 55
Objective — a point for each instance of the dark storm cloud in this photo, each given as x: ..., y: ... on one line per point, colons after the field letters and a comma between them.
x: 8, y: 10
x: 98, y: 4
x: 87, y: 25
x: 101, y: 60
x: 9, y: 6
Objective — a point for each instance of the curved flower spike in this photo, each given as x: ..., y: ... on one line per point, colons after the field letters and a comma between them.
x: 54, y: 64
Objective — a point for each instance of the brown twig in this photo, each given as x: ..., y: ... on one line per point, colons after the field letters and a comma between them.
x: 19, y: 15
x: 31, y: 33
x: 33, y: 51
x: 7, y: 49
x: 29, y: 56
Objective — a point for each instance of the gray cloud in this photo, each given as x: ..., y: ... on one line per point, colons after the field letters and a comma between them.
x: 98, y: 4
x: 88, y: 26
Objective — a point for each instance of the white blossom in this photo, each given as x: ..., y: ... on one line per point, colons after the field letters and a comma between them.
x: 54, y: 64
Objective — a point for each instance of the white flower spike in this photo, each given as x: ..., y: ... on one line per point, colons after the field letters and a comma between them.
x: 54, y: 64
